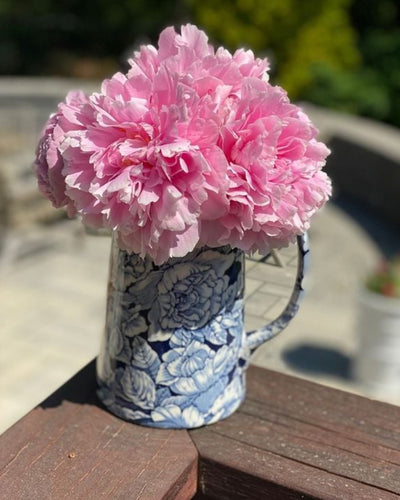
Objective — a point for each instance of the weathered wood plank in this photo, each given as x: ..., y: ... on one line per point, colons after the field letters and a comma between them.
x: 342, y: 412
x: 70, y: 447
x: 291, y: 439
x: 296, y: 439
x: 230, y: 469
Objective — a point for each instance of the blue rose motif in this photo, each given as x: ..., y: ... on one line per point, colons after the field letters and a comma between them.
x: 181, y: 337
x: 187, y: 370
x: 191, y: 293
x: 193, y: 369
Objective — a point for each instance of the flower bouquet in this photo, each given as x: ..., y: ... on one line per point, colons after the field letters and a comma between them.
x: 191, y: 147
x: 192, y: 157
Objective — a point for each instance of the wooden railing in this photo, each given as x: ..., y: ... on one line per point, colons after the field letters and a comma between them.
x: 290, y: 439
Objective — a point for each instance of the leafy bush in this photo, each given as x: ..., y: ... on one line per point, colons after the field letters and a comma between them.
x: 356, y: 92
x: 342, y: 54
x: 295, y: 34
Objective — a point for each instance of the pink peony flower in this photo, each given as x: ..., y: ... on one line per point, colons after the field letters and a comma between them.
x: 191, y: 147
x: 49, y: 162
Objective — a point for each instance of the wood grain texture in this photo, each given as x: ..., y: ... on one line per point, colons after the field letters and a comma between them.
x: 69, y: 447
x: 295, y: 439
x: 291, y: 439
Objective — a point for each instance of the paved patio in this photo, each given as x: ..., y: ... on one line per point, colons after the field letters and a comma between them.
x: 53, y: 290
x: 53, y: 283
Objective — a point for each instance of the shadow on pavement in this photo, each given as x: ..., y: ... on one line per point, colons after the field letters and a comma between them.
x: 314, y: 359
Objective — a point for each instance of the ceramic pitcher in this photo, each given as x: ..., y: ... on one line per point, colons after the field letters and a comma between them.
x: 175, y: 351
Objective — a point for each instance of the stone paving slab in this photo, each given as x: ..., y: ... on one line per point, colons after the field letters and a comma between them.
x: 53, y: 310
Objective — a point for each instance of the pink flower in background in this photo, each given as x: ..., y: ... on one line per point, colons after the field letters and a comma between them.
x: 191, y: 147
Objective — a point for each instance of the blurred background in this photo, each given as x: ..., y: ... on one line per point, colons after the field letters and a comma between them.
x: 341, y: 54
x: 338, y: 58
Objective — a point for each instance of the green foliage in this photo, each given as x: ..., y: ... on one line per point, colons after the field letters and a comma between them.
x: 355, y: 92
x: 296, y: 34
x: 342, y: 54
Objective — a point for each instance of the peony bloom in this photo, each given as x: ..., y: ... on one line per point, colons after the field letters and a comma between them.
x: 49, y: 162
x: 191, y: 147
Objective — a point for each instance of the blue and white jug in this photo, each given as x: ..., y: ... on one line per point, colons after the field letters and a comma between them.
x: 175, y: 351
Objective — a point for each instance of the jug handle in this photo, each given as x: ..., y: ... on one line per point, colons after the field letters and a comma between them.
x: 257, y: 337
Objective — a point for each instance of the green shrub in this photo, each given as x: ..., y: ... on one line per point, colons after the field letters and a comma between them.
x: 342, y: 54
x: 295, y: 34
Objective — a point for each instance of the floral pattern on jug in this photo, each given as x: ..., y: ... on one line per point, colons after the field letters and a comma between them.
x: 175, y: 344
x: 175, y: 350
